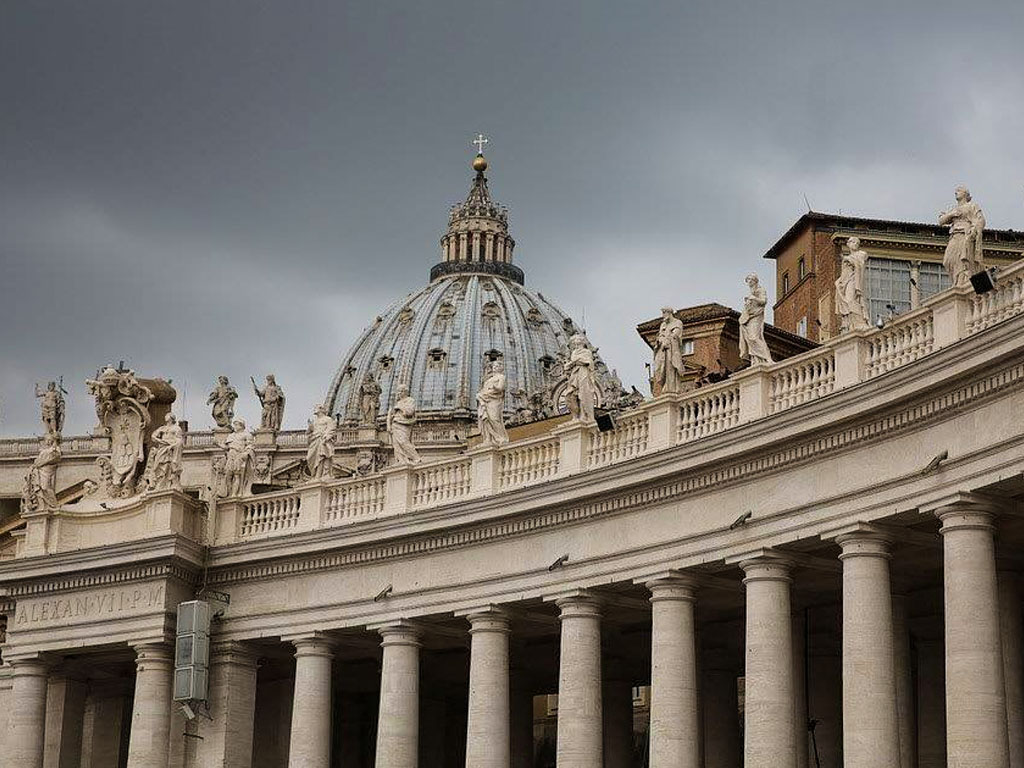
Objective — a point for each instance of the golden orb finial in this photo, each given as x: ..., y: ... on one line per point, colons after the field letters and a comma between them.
x: 479, y: 163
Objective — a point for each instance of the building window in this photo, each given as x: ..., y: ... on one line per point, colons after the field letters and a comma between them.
x: 932, y: 278
x: 785, y: 283
x: 801, y: 270
x: 801, y: 327
x: 888, y: 287
x: 687, y: 346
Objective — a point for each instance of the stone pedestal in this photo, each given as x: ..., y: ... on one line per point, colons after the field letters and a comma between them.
x: 227, y: 738
x: 398, y: 725
x: 870, y: 725
x: 151, y: 712
x: 28, y: 713
x: 579, y: 683
x: 264, y: 438
x: 488, y: 736
x: 675, y: 720
x: 310, y: 743
x: 975, y: 694
x: 768, y: 735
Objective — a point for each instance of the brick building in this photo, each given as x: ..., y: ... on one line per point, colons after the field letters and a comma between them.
x: 905, y: 267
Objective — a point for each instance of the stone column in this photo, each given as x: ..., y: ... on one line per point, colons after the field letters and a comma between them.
x: 722, y: 742
x: 151, y: 711
x: 227, y: 738
x: 488, y: 735
x: 768, y: 736
x: 931, y: 710
x: 904, y: 683
x: 675, y: 718
x: 310, y: 743
x: 398, y: 726
x: 870, y: 726
x: 28, y: 713
x: 617, y: 716
x: 1013, y: 665
x: 975, y: 695
x: 579, y: 683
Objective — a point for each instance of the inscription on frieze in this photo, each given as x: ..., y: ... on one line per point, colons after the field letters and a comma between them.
x: 58, y: 610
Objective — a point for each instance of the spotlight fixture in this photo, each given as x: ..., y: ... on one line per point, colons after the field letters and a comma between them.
x: 984, y: 281
x: 386, y: 592
x: 559, y: 562
x: 934, y: 463
x: 741, y: 520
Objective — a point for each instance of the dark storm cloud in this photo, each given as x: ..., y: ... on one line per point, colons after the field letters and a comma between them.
x: 238, y: 187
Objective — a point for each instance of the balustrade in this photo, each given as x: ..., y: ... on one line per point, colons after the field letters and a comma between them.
x: 525, y: 463
x: 1005, y: 300
x: 354, y: 499
x: 802, y: 380
x: 628, y: 439
x: 269, y: 514
x: 707, y: 413
x: 901, y: 342
x: 438, y: 483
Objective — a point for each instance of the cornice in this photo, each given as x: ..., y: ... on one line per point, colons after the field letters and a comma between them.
x: 143, y: 572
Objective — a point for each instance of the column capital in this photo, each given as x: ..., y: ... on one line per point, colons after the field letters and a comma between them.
x: 489, y: 619
x: 153, y: 655
x: 965, y: 517
x: 312, y: 644
x: 864, y: 543
x: 766, y: 567
x: 30, y: 667
x: 401, y: 632
x: 581, y: 604
x: 675, y: 587
x: 233, y: 652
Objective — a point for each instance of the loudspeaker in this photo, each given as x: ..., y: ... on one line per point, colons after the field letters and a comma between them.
x: 984, y: 281
x: 605, y: 422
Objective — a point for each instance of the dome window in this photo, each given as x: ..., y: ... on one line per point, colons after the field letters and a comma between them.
x: 406, y: 315
x: 491, y: 311
x: 534, y: 316
x: 446, y: 311
x: 569, y: 325
x: 385, y: 363
x: 493, y: 355
x: 436, y: 358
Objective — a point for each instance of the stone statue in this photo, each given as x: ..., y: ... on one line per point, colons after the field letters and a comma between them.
x: 490, y: 406
x: 40, y: 489
x: 163, y: 467
x: 223, y: 401
x: 581, y: 383
x: 851, y: 302
x: 966, y: 227
x: 668, y: 355
x: 323, y: 438
x: 240, y: 454
x: 752, y: 343
x: 401, y: 420
x: 271, y: 399
x: 218, y: 488
x: 52, y: 406
x: 369, y: 400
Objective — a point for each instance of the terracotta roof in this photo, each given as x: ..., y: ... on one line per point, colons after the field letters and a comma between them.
x: 909, y: 227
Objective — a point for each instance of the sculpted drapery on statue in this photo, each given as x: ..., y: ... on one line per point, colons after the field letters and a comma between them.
x: 752, y: 343
x: 40, y: 491
x: 323, y: 439
x: 52, y: 407
x: 581, y: 383
x: 369, y: 400
x: 240, y: 455
x: 851, y: 302
x: 223, y: 401
x: 668, y: 355
x: 163, y: 467
x: 271, y: 399
x: 964, y: 251
x: 490, y: 402
x: 401, y: 420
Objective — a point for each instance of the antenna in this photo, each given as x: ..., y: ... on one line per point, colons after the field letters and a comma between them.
x: 808, y: 204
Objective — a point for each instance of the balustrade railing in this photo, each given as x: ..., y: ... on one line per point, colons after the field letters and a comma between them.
x: 905, y: 340
x: 708, y: 412
x: 354, y: 499
x: 269, y: 514
x: 441, y: 482
x: 525, y: 463
x: 1003, y: 301
x: 628, y: 439
x: 801, y: 381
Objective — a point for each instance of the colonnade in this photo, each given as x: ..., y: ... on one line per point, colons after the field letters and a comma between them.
x: 979, y: 662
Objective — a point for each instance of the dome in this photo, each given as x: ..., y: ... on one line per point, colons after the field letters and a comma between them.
x: 475, y: 310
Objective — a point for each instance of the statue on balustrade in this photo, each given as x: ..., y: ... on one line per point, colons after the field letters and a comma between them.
x: 112, y: 385
x: 964, y: 251
x: 851, y: 300
x: 163, y: 467
x: 323, y: 439
x: 271, y: 399
x: 581, y: 380
x: 401, y: 420
x: 752, y: 344
x: 223, y: 401
x: 490, y: 406
x: 369, y: 400
x: 240, y: 455
x: 52, y: 406
x: 668, y: 355
x: 40, y: 489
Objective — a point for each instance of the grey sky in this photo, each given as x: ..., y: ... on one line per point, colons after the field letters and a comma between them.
x: 239, y: 187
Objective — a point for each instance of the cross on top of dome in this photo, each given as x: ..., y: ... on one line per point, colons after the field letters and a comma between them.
x: 480, y: 141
